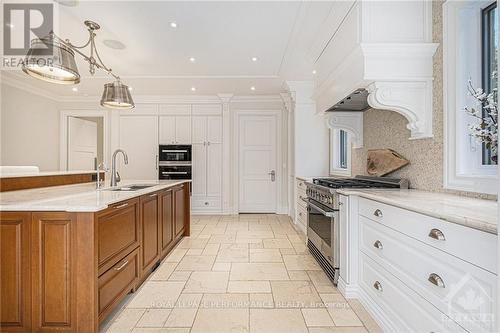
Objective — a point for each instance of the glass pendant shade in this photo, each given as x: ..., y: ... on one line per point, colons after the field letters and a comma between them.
x: 117, y: 96
x: 58, y: 67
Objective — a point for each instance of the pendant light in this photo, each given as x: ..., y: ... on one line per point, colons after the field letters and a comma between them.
x: 60, y: 67
x: 116, y: 96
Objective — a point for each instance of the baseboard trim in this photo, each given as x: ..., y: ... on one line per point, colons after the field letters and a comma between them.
x: 376, y: 312
x: 347, y: 290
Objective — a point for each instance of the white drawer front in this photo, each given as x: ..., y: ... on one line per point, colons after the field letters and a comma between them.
x: 301, y: 215
x: 406, y: 309
x: 300, y: 197
x: 414, y: 263
x: 474, y: 246
x: 301, y: 184
x: 206, y: 203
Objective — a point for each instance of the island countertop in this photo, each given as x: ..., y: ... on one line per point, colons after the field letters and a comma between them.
x: 475, y: 213
x: 77, y: 198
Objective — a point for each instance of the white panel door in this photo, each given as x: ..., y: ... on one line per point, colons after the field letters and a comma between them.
x: 139, y: 139
x: 257, y: 159
x: 214, y: 169
x: 167, y: 130
x: 199, y: 129
x: 82, y: 144
x: 199, y: 169
x: 214, y: 129
x: 183, y: 129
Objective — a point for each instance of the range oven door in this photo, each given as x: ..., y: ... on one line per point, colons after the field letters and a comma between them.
x: 323, y: 231
x: 175, y: 153
x: 174, y: 172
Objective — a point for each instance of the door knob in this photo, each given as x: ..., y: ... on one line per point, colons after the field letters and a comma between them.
x: 273, y: 175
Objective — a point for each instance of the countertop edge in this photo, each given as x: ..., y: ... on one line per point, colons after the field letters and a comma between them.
x: 460, y: 220
x: 88, y: 209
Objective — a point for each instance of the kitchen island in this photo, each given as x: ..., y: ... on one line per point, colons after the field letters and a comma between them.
x: 71, y: 253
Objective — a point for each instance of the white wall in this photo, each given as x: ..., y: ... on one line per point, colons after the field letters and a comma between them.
x: 29, y: 129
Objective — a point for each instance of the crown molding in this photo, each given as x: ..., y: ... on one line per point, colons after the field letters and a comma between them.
x: 11, y: 81
x: 256, y: 98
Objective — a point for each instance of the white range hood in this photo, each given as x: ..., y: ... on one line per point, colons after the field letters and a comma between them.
x: 384, y: 47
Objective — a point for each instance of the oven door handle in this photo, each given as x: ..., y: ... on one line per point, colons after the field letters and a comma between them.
x: 322, y: 211
x: 174, y: 151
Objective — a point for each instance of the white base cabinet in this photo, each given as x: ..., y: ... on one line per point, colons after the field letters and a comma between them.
x: 416, y: 273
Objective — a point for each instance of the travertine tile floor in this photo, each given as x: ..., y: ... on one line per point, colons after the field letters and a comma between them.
x: 247, y: 273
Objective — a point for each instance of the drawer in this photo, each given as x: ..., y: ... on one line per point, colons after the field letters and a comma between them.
x: 415, y: 263
x: 206, y: 203
x: 118, y: 232
x: 301, y: 215
x: 117, y: 282
x: 463, y: 242
x: 405, y: 309
x: 301, y: 184
x: 299, y: 196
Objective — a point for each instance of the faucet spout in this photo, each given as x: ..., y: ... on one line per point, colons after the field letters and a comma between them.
x: 114, y: 175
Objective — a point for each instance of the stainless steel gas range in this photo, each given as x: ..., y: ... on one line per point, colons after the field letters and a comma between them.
x: 323, y: 208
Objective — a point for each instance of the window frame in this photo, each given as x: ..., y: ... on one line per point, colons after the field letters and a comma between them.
x: 336, y: 168
x: 462, y: 59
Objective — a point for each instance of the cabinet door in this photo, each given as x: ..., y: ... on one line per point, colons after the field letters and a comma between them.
x: 166, y: 221
x: 167, y: 130
x: 214, y: 129
x: 179, y: 210
x: 54, y: 267
x: 214, y: 169
x: 139, y: 138
x: 15, y: 280
x: 150, y: 249
x: 199, y: 170
x: 183, y: 129
x: 199, y: 129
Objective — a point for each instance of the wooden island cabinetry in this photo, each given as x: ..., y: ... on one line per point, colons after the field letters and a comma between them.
x: 67, y: 271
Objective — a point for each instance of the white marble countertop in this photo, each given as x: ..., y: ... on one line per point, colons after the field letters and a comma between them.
x: 470, y: 212
x: 76, y: 198
x: 46, y: 173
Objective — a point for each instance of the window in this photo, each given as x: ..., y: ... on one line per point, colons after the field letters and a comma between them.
x: 470, y: 47
x: 340, y: 153
x: 489, y: 62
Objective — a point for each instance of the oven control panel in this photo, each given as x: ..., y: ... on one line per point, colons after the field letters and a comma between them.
x: 322, y: 195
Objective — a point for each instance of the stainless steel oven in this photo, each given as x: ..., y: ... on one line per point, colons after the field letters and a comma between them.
x: 175, y: 154
x: 323, y: 236
x: 174, y: 172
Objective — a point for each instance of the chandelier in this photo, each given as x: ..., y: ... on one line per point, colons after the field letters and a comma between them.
x: 60, y: 66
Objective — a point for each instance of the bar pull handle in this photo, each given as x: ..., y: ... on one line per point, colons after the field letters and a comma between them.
x: 378, y: 245
x: 436, y: 280
x: 119, y: 268
x: 153, y: 195
x: 121, y: 206
x: 437, y: 234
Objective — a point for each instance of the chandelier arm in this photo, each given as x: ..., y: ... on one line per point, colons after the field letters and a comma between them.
x: 109, y: 70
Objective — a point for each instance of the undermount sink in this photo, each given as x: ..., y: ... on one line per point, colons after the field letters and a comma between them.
x: 129, y: 188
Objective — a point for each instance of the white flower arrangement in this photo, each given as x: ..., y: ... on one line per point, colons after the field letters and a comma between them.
x: 486, y: 129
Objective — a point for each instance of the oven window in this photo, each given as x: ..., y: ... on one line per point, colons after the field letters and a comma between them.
x: 321, y: 225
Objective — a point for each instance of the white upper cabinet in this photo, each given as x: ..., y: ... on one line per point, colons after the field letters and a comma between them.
x: 175, y: 124
x: 139, y: 138
x: 199, y: 129
x: 207, y: 123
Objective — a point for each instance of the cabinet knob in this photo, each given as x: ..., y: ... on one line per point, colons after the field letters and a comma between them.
x: 378, y: 213
x: 436, y: 280
x: 206, y: 203
x: 437, y: 234
x: 378, y: 245
x: 377, y: 285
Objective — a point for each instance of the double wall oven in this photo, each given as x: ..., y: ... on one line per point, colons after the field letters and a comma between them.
x: 174, y: 162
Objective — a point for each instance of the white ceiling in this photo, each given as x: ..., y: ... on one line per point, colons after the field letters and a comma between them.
x: 221, y: 36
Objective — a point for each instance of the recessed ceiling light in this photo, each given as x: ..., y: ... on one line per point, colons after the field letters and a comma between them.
x: 114, y: 44
x: 173, y: 25
x: 75, y: 89
x: 252, y: 88
x: 193, y: 88
x: 314, y: 71
x: 254, y: 59
x: 192, y: 59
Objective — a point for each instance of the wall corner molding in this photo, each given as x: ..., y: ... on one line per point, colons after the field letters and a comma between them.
x: 351, y: 122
